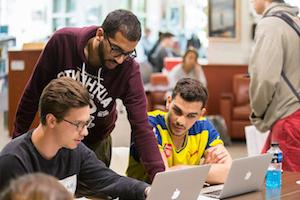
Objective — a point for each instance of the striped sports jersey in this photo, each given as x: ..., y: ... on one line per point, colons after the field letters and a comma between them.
x: 200, y: 137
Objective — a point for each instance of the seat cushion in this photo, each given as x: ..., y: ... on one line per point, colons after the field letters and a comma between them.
x: 241, y: 112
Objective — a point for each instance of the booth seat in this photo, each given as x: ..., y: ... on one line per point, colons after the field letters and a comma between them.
x: 235, y: 107
x: 159, y: 86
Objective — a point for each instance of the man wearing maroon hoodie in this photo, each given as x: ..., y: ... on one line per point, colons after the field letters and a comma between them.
x: 102, y: 59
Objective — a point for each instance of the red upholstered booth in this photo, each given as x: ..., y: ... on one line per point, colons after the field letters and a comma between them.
x: 235, y: 106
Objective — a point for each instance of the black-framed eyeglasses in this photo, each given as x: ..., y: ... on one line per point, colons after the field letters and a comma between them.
x: 117, y: 51
x: 80, y: 124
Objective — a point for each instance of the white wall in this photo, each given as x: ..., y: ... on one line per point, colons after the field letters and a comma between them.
x: 154, y: 15
x: 1, y: 8
x: 234, y: 52
x: 27, y: 21
x: 30, y: 20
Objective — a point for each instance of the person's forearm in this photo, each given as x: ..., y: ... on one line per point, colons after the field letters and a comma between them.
x: 218, y: 173
x: 151, y: 159
x: 179, y: 167
x: 143, y: 137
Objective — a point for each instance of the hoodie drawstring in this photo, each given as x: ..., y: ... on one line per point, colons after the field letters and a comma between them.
x: 84, y: 77
x: 99, y: 73
x: 83, y: 74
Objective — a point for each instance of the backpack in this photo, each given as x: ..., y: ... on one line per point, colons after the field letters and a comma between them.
x: 220, y: 125
x: 294, y: 25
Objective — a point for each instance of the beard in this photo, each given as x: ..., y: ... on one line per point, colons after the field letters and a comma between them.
x: 105, y: 62
x: 101, y: 53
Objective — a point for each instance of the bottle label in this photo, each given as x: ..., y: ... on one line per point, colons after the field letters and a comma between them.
x: 277, y: 158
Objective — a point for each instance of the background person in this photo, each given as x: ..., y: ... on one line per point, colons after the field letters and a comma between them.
x: 194, y: 42
x: 274, y: 106
x: 163, y: 49
x: 189, y: 68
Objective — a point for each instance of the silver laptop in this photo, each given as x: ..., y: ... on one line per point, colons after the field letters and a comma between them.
x: 245, y: 175
x: 181, y: 184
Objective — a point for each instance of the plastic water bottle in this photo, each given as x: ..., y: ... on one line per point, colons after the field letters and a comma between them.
x: 273, y: 178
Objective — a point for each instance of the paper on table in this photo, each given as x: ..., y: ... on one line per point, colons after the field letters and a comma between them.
x: 255, y: 140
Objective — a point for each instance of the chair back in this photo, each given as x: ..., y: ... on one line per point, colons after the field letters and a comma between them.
x: 158, y: 89
x: 241, y: 89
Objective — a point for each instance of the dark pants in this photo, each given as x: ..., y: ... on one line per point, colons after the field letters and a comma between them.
x: 103, y: 150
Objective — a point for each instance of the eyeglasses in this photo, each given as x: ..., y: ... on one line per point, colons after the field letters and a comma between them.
x: 80, y: 124
x: 117, y: 51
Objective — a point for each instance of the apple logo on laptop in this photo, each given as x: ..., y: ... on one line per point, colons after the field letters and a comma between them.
x: 248, y: 175
x: 176, y: 194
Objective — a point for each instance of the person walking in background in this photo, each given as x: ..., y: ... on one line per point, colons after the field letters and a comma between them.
x: 188, y: 68
x: 160, y: 34
x: 194, y: 42
x: 184, y: 136
x: 55, y: 147
x: 102, y: 59
x: 164, y: 49
x: 274, y: 106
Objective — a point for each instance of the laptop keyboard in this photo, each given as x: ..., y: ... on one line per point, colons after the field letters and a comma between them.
x: 213, y: 191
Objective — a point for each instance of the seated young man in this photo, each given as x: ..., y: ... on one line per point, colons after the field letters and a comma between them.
x: 55, y: 147
x: 184, y: 136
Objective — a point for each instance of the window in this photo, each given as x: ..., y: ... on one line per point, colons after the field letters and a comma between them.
x: 139, y: 8
x: 63, y: 13
x: 75, y: 13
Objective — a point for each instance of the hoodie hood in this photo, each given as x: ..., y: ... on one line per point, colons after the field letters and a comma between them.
x: 83, y: 37
x: 284, y: 7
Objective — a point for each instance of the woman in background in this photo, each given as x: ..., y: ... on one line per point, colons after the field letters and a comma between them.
x: 189, y: 68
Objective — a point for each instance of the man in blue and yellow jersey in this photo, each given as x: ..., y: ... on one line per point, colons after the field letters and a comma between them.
x: 184, y: 136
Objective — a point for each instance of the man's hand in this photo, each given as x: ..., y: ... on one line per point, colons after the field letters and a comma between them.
x: 147, y: 190
x: 220, y: 161
x: 217, y: 154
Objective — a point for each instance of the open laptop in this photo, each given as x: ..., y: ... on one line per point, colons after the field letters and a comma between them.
x: 181, y: 184
x: 245, y: 175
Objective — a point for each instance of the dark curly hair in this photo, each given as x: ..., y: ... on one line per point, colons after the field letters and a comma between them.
x: 122, y: 21
x: 191, y: 90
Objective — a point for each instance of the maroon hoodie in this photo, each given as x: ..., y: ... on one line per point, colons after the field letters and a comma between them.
x: 64, y: 56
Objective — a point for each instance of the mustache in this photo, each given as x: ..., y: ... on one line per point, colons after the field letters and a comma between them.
x: 109, y: 60
x: 179, y: 125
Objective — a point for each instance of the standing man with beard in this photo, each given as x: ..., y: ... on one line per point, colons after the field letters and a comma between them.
x: 102, y: 59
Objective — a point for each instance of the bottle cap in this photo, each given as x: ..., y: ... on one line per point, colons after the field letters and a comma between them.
x: 274, y: 143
